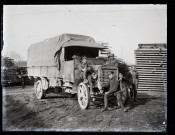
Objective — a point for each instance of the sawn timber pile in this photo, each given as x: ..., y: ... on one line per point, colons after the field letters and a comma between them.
x: 151, y: 61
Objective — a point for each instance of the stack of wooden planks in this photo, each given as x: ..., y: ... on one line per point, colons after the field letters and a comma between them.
x: 151, y: 65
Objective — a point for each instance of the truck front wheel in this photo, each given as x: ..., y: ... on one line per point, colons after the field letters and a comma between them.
x: 39, y: 91
x: 83, y: 96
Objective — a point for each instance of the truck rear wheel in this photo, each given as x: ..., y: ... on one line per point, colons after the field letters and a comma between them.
x: 39, y: 91
x: 83, y: 96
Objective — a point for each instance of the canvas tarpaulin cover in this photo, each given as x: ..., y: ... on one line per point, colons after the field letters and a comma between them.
x: 47, y: 52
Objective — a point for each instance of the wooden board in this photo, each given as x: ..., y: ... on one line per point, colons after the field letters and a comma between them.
x: 152, y: 75
x: 157, y: 90
x: 149, y: 56
x: 153, y: 66
x: 155, y: 46
x: 152, y: 72
x: 150, y: 53
x: 149, y: 88
x: 152, y: 63
x: 153, y: 80
x: 150, y: 50
x: 150, y: 68
x: 151, y: 85
x: 148, y: 81
x: 152, y: 59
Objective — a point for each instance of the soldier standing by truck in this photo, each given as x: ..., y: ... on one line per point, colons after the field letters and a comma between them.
x: 134, y: 83
x: 21, y: 76
x: 114, y: 86
x: 111, y: 60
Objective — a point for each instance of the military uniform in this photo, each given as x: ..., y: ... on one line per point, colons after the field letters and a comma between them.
x: 114, y: 86
x: 134, y: 79
x: 92, y: 82
x: 22, y: 80
x: 85, y: 75
x: 84, y: 68
x: 112, y: 61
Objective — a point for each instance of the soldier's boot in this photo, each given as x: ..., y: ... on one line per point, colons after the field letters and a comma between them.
x: 125, y: 109
x: 135, y: 96
x: 122, y: 106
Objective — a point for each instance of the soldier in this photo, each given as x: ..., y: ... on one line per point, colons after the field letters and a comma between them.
x: 113, y: 86
x: 86, y: 74
x: 134, y: 83
x: 21, y: 79
x: 111, y: 60
x: 84, y: 68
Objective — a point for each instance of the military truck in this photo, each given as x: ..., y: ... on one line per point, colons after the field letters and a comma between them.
x: 54, y: 62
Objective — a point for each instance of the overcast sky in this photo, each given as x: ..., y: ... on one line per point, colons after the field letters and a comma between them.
x: 122, y: 26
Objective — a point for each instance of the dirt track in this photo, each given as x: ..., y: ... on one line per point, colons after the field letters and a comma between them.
x: 23, y: 112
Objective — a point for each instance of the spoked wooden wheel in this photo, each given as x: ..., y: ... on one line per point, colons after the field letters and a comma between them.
x: 40, y: 93
x: 83, y: 96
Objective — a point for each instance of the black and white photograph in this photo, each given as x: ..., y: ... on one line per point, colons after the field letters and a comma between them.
x: 84, y: 68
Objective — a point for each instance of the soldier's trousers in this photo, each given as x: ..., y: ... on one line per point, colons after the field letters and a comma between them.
x: 134, y: 91
x: 22, y: 83
x: 118, y: 96
x: 91, y: 83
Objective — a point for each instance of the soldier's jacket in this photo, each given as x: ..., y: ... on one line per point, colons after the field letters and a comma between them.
x: 84, y: 66
x: 113, y: 84
x: 134, y: 77
x: 112, y: 62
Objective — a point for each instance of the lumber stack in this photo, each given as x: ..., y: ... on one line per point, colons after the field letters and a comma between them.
x: 151, y: 65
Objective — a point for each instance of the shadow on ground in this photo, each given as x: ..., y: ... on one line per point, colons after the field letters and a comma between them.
x: 60, y: 95
x: 143, y: 99
x: 18, y: 117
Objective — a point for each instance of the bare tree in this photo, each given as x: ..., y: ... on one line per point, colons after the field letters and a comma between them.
x: 7, y: 62
x: 15, y: 56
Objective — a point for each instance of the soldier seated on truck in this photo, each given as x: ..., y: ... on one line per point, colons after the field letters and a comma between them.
x: 85, y: 75
x: 88, y: 74
x: 92, y: 80
x: 84, y: 68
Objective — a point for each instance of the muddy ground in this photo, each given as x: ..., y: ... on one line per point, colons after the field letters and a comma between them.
x: 23, y: 112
